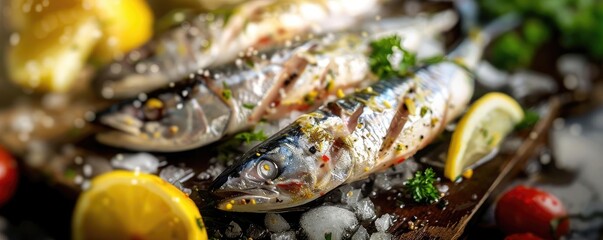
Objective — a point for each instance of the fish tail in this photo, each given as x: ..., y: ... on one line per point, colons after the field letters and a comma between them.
x: 470, y: 50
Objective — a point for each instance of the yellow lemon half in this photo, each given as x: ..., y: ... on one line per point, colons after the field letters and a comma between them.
x: 51, y: 54
x: 128, y: 205
x: 480, y: 130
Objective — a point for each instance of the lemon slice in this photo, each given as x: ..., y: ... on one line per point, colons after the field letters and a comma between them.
x: 480, y: 131
x: 128, y: 205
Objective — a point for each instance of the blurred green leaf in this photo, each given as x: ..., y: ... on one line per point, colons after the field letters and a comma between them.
x: 535, y: 32
x: 511, y: 52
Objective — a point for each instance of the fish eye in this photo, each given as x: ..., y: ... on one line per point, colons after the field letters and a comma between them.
x: 267, y: 169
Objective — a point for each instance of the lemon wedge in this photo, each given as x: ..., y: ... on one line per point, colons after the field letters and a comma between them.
x: 129, y: 205
x: 480, y: 131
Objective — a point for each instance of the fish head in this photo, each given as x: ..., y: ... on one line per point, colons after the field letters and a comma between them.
x: 183, y: 117
x: 280, y: 173
x: 295, y: 166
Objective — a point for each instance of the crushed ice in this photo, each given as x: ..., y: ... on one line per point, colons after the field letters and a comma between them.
x: 323, y: 220
x: 276, y: 223
x: 143, y: 162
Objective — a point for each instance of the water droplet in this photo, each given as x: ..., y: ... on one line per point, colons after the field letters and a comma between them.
x: 107, y: 92
x: 87, y: 170
x: 15, y: 38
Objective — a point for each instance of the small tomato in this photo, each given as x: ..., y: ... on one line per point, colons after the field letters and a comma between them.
x: 530, y: 210
x: 8, y: 176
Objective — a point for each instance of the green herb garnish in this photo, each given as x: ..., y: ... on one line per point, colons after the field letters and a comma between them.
x: 381, y: 50
x: 529, y: 120
x: 231, y: 148
x: 249, y: 105
x: 574, y: 25
x: 248, y: 137
x: 328, y: 236
x: 226, y: 92
x: 424, y: 110
x: 421, y: 187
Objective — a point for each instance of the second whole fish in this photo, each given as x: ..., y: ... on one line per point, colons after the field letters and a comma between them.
x: 215, y: 38
x: 258, y: 86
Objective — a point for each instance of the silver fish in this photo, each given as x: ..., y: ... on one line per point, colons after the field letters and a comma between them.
x: 259, y: 86
x: 216, y: 38
x: 353, y: 137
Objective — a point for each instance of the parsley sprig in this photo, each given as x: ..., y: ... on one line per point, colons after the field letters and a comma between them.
x: 380, y: 58
x: 529, y: 120
x: 421, y: 187
x: 248, y: 137
x: 231, y: 148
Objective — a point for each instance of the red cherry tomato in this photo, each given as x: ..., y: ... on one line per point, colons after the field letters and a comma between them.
x: 8, y: 176
x: 530, y: 210
x: 522, y: 236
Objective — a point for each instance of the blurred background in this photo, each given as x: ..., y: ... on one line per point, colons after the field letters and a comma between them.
x: 555, y: 53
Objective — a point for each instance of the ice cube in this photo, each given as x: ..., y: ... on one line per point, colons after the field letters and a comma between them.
x: 212, y: 172
x: 289, y: 235
x: 276, y: 223
x: 365, y: 209
x: 320, y: 221
x: 351, y: 196
x: 256, y: 231
x: 381, y: 236
x: 361, y: 234
x: 383, y: 223
x: 382, y: 181
x: 175, y: 174
x: 233, y: 230
x: 143, y: 162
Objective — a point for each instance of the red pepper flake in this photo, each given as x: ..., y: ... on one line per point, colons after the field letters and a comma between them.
x: 400, y: 160
x: 325, y: 158
x: 264, y: 40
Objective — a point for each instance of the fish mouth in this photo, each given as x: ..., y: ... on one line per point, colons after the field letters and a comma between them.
x: 252, y: 200
x: 128, y: 140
